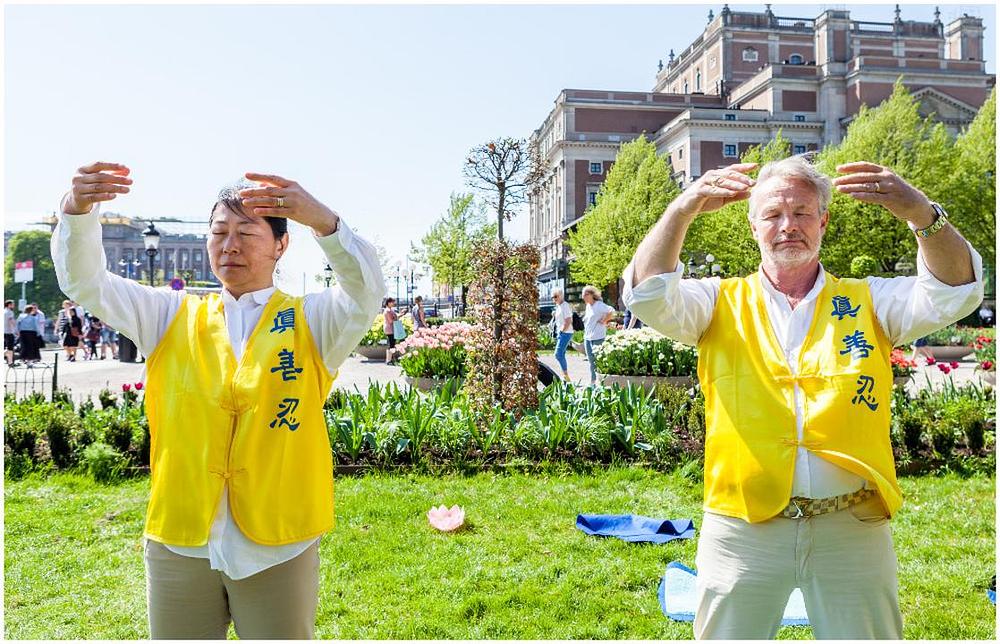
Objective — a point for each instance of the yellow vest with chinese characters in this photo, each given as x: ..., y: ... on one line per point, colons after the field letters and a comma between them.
x: 255, y: 427
x: 845, y: 379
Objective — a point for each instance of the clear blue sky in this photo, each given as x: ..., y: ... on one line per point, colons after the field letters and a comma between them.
x: 371, y: 108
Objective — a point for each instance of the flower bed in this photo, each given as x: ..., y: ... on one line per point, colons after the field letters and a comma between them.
x: 955, y: 342
x: 388, y: 426
x: 902, y: 367
x: 645, y: 353
x: 436, y: 352
x: 376, y: 334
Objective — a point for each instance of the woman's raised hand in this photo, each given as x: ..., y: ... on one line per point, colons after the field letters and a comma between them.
x: 94, y: 183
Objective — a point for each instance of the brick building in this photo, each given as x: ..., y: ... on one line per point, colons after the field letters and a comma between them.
x: 747, y: 76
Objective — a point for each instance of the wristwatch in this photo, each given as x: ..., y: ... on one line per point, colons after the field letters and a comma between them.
x: 940, y: 219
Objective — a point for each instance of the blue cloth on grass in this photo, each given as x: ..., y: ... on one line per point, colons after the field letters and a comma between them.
x: 678, y: 598
x: 635, y: 528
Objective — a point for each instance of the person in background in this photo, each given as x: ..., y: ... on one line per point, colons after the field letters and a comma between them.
x: 419, y: 317
x: 9, y: 331
x: 109, y: 340
x: 27, y: 331
x: 389, y: 318
x: 92, y: 336
x: 70, y: 329
x: 631, y: 321
x: 41, y: 325
x: 562, y: 319
x: 595, y: 325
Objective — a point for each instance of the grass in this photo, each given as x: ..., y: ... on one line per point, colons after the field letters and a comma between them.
x: 520, y: 570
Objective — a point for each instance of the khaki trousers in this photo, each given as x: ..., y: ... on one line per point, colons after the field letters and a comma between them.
x: 843, y: 561
x: 186, y: 599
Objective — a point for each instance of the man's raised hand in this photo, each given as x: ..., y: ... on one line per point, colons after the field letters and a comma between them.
x: 715, y: 189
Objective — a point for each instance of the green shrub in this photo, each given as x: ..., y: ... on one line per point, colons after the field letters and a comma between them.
x: 107, y: 399
x: 16, y: 465
x: 864, y: 265
x: 104, y: 463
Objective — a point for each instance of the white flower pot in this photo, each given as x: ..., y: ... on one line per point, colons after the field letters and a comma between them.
x: 949, y: 353
x: 371, y: 351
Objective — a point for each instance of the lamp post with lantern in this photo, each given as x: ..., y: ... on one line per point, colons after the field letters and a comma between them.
x: 151, y: 238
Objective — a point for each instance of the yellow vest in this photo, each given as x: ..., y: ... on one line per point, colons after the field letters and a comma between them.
x: 256, y: 425
x: 845, y: 379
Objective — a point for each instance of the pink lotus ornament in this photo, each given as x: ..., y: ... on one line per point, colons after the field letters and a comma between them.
x: 446, y: 519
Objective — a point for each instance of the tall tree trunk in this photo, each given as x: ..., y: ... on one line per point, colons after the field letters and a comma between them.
x: 498, y: 298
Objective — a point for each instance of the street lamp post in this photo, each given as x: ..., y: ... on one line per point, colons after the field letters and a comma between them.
x: 328, y: 272
x: 151, y: 237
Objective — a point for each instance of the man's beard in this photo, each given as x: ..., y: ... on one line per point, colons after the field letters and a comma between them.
x: 790, y: 255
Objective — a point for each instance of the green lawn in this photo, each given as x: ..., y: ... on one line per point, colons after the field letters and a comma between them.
x: 73, y: 558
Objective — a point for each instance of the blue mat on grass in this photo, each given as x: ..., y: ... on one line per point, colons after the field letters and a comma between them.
x: 678, y: 599
x: 634, y: 528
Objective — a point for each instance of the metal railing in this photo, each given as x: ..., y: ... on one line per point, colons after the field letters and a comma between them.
x: 23, y: 380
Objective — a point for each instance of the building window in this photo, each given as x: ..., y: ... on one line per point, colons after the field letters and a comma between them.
x: 596, y: 167
x: 197, y: 255
x: 729, y: 150
x: 711, y: 62
x: 697, y: 81
x: 730, y: 117
x: 800, y: 118
x: 592, y: 195
x: 750, y: 55
x: 680, y: 153
x: 800, y: 149
x: 796, y: 59
x: 686, y: 87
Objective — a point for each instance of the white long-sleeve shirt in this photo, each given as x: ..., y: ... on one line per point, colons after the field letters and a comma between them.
x: 906, y: 307
x: 337, y: 317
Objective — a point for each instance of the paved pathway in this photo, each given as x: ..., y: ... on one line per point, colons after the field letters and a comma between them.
x: 87, y: 378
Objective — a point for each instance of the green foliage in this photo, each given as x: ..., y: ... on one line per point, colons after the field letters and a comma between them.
x: 103, y: 462
x: 44, y: 290
x: 864, y: 265
x: 725, y: 233
x: 970, y: 190
x: 449, y: 244
x: 634, y: 195
x: 894, y: 135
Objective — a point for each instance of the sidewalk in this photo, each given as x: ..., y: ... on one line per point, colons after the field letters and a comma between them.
x: 85, y: 378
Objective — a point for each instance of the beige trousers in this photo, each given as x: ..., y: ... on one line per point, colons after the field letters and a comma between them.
x: 186, y: 599
x: 844, y: 563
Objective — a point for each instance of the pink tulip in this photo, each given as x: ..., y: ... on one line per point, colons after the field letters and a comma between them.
x: 445, y: 519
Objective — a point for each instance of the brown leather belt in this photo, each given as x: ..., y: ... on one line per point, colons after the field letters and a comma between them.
x: 802, y: 508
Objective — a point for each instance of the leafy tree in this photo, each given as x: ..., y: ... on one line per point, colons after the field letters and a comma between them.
x: 895, y: 135
x: 972, y: 190
x: 449, y: 245
x: 44, y: 289
x: 633, y: 197
x: 725, y: 233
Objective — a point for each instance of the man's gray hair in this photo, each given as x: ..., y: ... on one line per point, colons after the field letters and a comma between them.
x: 593, y: 290
x: 557, y: 291
x: 796, y: 167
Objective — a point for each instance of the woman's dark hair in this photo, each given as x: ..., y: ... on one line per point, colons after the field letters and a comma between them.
x: 230, y: 198
x: 388, y: 301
